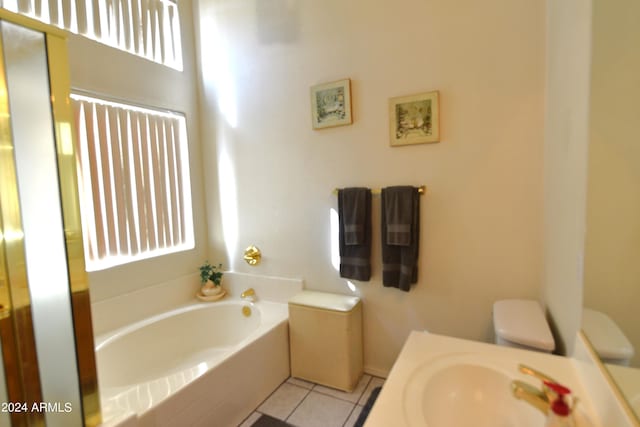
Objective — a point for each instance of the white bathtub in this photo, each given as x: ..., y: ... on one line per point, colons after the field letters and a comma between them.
x: 204, y: 364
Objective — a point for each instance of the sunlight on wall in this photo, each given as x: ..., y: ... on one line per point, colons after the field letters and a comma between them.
x: 228, y: 203
x: 217, y: 71
x: 335, y: 245
x: 351, y: 286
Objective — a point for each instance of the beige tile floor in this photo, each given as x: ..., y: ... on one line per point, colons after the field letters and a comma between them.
x: 304, y: 404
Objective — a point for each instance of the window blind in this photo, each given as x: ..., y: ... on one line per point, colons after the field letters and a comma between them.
x: 147, y: 28
x: 134, y: 182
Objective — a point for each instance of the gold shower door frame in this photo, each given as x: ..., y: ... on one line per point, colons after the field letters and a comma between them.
x: 16, y: 326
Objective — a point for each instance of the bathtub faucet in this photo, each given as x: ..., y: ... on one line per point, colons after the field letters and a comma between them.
x: 249, y: 294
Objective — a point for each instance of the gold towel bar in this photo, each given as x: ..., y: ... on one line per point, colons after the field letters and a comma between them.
x: 421, y: 190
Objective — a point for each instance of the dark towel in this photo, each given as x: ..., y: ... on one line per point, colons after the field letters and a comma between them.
x: 400, y: 207
x: 355, y: 208
x: 354, y: 214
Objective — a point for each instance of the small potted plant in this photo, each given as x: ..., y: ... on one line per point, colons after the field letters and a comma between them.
x: 211, y: 279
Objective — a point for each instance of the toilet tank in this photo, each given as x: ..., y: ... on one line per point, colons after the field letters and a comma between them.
x: 607, y: 338
x: 521, y: 323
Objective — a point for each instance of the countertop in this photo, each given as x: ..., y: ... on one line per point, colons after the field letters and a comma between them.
x: 423, y: 349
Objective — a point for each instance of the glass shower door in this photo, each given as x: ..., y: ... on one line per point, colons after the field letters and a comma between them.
x: 48, y: 371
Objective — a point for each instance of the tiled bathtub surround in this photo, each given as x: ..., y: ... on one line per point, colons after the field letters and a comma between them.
x: 116, y: 312
x: 304, y: 404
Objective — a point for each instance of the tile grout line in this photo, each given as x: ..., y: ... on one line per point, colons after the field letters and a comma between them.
x: 275, y: 391
x: 335, y: 397
x: 349, y: 416
x: 358, y: 402
x: 299, y: 403
x: 364, y: 389
x: 270, y: 394
x: 255, y: 411
x: 353, y: 407
x: 313, y: 389
x: 327, y: 395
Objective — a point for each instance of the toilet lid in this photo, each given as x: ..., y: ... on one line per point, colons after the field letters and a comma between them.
x: 605, y: 335
x: 522, y: 322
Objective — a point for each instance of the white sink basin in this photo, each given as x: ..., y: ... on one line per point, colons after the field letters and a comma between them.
x: 440, y: 381
x: 465, y: 390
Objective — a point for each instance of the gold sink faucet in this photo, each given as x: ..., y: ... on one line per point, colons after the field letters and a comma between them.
x: 538, y: 398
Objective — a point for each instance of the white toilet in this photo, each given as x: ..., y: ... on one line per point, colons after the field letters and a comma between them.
x: 521, y: 323
x: 607, y: 339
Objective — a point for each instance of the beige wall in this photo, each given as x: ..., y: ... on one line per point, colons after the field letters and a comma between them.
x: 482, y: 221
x: 106, y: 71
x: 612, y: 270
x: 565, y: 163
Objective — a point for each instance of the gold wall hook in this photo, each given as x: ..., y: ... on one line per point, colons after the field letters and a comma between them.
x: 252, y: 255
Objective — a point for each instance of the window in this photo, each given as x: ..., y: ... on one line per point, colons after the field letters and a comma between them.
x: 147, y: 28
x: 135, y: 193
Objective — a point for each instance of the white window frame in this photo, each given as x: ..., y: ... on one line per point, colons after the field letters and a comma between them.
x: 146, y: 28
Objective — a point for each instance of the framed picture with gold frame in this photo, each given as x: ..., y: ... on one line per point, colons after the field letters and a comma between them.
x: 331, y: 104
x: 414, y: 119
